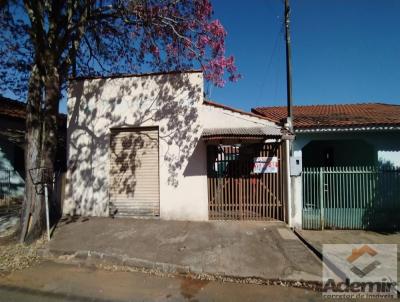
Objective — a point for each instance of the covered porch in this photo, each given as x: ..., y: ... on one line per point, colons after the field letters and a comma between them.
x: 350, y: 180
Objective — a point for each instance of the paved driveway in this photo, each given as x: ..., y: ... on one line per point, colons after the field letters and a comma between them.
x: 267, y: 250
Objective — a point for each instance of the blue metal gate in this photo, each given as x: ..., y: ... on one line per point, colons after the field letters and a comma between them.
x: 363, y: 197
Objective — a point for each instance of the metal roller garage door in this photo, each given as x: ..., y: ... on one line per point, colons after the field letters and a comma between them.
x: 134, y: 175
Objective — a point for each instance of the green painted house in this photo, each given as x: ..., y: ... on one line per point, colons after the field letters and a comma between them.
x: 350, y: 155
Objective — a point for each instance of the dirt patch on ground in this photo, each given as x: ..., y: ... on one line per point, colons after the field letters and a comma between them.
x: 16, y: 256
x: 13, y: 255
x: 191, y: 287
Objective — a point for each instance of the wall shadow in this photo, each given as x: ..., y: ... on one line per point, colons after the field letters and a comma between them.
x: 169, y: 102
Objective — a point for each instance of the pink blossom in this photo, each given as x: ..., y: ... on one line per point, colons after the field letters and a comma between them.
x: 202, y: 41
x: 215, y: 28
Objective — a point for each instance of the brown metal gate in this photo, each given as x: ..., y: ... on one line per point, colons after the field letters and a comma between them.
x: 235, y: 192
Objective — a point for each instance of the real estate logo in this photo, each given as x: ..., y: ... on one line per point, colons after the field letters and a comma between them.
x: 357, y: 253
x: 360, y: 270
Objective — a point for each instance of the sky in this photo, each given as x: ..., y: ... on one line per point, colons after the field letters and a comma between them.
x: 344, y: 51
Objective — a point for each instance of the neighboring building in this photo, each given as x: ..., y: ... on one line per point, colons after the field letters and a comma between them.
x: 354, y: 140
x: 12, y: 130
x: 343, y: 135
x: 12, y: 139
x: 151, y: 146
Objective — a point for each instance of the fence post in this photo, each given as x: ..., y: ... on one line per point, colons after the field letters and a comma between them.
x: 321, y: 195
x: 240, y: 199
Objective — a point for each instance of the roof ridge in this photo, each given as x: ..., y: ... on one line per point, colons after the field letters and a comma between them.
x: 388, y: 104
x: 326, y: 105
x: 337, y: 115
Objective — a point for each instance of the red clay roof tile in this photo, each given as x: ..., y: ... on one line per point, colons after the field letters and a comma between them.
x: 339, y: 115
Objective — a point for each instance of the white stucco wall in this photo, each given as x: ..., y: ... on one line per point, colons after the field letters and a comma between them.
x: 174, y: 103
x: 214, y: 117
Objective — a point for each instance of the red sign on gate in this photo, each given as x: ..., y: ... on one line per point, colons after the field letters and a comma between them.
x: 265, y: 164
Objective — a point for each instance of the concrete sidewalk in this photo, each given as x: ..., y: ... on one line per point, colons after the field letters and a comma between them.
x: 318, y: 238
x: 229, y: 248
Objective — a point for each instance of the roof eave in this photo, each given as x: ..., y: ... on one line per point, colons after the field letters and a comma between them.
x: 240, y: 136
x: 358, y: 128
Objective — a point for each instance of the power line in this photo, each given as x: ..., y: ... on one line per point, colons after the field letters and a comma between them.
x: 269, y: 62
x: 278, y: 81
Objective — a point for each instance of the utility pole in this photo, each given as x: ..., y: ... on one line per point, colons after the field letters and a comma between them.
x: 289, y: 120
x: 288, y: 66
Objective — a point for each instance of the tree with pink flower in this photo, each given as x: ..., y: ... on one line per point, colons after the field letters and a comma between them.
x: 44, y: 42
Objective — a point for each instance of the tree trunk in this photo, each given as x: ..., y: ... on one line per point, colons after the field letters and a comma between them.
x: 41, y: 147
x: 52, y: 91
x: 52, y: 88
x: 32, y: 222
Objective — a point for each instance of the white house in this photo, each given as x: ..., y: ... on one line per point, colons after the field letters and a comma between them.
x: 137, y: 146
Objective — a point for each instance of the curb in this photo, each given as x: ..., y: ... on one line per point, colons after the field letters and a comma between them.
x: 124, y: 263
x: 325, y: 261
x: 308, y: 244
x: 93, y: 258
